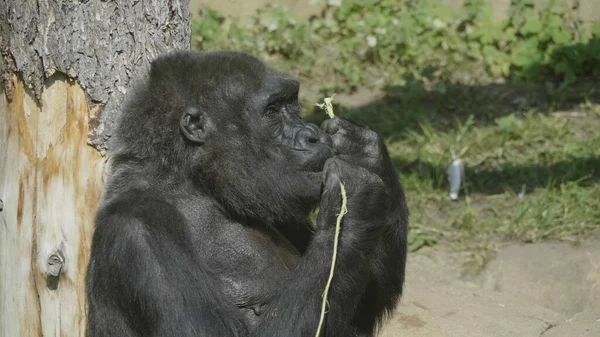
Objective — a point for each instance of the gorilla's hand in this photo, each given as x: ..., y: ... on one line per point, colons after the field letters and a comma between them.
x: 358, y: 145
x: 368, y: 202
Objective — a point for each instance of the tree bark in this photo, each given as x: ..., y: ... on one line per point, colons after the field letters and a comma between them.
x: 65, y: 68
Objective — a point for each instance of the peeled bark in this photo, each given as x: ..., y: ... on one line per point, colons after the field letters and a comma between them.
x: 65, y: 68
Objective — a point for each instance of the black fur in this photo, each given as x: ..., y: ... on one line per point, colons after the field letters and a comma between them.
x: 204, y: 227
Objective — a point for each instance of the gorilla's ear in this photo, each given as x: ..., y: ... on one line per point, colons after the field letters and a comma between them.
x: 193, y: 125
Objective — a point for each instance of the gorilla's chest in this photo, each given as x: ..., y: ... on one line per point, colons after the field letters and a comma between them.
x: 250, y: 263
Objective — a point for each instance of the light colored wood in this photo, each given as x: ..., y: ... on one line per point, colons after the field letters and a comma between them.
x: 50, y: 183
x: 50, y: 179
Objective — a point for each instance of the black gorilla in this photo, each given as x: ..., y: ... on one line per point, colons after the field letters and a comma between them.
x: 204, y: 227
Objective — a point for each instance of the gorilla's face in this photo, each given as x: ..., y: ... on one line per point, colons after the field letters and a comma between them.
x: 298, y: 145
x: 257, y: 155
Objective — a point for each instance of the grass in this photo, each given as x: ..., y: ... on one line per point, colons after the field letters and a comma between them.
x: 531, y: 174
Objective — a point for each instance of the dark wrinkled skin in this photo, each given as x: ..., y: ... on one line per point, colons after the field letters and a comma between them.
x: 204, y: 230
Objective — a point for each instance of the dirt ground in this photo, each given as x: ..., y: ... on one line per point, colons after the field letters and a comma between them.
x: 527, y: 290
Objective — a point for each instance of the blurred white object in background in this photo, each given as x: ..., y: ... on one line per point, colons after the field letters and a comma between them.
x: 456, y: 174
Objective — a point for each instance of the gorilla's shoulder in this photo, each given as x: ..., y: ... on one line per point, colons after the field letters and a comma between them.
x: 137, y: 210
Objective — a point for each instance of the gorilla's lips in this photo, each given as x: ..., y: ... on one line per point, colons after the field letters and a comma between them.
x: 313, y: 159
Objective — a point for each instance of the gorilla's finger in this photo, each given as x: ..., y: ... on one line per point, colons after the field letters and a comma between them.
x: 329, y: 126
x: 337, y: 124
x: 331, y: 176
x: 344, y: 144
x: 338, y: 170
x: 331, y: 194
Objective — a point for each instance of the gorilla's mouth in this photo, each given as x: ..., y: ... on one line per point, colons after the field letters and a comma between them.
x: 313, y: 159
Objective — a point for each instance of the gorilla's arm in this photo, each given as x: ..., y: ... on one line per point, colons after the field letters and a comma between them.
x: 155, y: 286
x: 363, y: 147
x: 297, y: 306
x: 158, y: 288
x: 295, y: 309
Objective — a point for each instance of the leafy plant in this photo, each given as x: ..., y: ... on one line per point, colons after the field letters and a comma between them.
x: 377, y: 42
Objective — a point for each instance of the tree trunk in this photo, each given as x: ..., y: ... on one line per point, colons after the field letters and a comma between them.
x: 65, y: 67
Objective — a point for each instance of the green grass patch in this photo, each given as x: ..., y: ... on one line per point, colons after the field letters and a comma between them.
x: 528, y: 178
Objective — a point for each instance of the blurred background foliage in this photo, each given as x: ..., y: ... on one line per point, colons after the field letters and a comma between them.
x: 357, y: 43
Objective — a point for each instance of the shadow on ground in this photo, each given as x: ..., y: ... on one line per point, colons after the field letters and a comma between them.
x: 571, y: 78
x: 514, y: 177
x: 404, y: 108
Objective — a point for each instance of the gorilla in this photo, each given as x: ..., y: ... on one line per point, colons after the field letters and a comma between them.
x: 207, y: 226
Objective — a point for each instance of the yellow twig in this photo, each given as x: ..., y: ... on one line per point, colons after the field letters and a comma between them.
x: 327, y: 106
x: 338, y: 225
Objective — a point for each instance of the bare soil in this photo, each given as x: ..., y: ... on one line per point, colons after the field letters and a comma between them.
x: 549, y: 289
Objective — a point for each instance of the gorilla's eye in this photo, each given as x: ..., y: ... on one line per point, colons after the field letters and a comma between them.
x: 270, y: 110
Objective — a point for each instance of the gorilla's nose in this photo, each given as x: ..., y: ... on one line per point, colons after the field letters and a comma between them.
x: 310, y: 135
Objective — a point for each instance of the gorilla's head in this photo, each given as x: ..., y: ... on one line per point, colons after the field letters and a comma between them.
x: 231, y: 125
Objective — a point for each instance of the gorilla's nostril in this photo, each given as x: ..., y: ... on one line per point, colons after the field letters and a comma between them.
x: 309, y: 136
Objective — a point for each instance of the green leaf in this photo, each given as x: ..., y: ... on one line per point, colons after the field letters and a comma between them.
x: 526, y: 53
x: 510, y: 34
x: 554, y: 21
x: 596, y: 29
x: 441, y: 87
x: 532, y: 26
x: 562, y: 37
